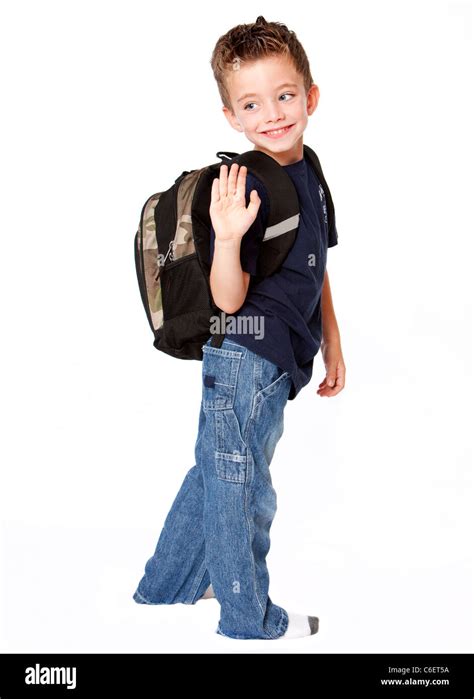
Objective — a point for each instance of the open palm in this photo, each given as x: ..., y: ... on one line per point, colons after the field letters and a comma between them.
x: 230, y: 217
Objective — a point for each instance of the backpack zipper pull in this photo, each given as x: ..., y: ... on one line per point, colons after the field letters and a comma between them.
x: 170, y: 251
x: 170, y: 246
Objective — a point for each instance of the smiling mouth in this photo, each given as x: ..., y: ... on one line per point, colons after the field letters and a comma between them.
x: 278, y: 132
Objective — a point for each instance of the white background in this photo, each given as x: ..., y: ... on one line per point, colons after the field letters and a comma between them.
x: 105, y: 103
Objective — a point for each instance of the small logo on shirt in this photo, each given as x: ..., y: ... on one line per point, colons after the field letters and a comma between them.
x: 322, y: 196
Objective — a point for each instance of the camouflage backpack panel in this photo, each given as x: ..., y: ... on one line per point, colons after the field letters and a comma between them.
x: 184, y: 242
x: 148, y: 259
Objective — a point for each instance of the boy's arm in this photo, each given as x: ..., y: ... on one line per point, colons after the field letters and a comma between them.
x: 229, y: 283
x: 236, y: 231
x: 331, y: 346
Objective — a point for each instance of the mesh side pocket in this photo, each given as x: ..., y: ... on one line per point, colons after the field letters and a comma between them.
x: 187, y: 308
x: 183, y: 287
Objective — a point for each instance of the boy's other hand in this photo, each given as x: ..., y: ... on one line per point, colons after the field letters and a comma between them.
x: 335, y: 370
x: 230, y: 217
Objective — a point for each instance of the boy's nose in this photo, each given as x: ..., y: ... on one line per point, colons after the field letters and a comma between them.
x: 273, y: 113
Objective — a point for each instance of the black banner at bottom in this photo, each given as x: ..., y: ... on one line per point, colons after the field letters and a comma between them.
x: 324, y: 675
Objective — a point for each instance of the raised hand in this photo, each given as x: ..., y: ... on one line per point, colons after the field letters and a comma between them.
x: 230, y: 217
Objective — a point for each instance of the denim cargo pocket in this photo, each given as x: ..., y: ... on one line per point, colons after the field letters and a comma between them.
x: 272, y: 387
x: 282, y: 383
x: 220, y: 369
x: 231, y: 467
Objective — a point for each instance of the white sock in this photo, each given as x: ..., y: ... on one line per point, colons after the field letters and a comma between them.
x: 208, y: 594
x: 300, y: 625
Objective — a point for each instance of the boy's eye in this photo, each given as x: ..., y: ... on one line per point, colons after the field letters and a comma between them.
x: 289, y: 94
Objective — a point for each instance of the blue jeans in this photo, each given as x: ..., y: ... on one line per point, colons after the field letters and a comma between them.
x: 217, y: 530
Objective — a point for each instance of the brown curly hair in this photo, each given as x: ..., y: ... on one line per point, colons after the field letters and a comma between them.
x: 249, y: 42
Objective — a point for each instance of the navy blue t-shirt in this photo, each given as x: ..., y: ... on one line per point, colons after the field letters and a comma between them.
x: 288, y: 303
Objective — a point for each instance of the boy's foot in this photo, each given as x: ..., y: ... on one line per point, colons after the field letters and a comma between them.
x: 208, y: 594
x: 300, y: 625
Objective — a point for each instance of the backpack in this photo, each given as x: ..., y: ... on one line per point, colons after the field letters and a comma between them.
x: 172, y: 248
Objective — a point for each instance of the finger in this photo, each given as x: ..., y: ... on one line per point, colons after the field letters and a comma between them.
x: 215, y: 190
x: 254, y: 203
x: 232, y: 179
x: 223, y: 180
x: 323, y: 388
x: 327, y: 392
x: 241, y: 181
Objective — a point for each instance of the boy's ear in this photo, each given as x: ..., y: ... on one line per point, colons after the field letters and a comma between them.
x: 232, y: 119
x: 312, y: 99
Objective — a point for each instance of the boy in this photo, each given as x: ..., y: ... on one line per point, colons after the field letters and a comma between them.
x: 216, y: 536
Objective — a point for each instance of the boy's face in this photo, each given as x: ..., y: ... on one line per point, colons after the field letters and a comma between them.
x: 269, y: 95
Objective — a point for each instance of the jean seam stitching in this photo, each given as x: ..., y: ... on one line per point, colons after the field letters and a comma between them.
x: 254, y: 575
x: 197, y: 581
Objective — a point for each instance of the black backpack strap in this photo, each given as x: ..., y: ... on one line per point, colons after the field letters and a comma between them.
x: 314, y: 160
x: 225, y: 155
x: 218, y: 338
x: 284, y: 209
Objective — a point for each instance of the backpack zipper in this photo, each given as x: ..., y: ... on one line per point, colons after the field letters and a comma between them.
x: 179, y: 260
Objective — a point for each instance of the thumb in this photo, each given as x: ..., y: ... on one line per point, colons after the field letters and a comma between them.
x: 331, y: 379
x: 254, y: 203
